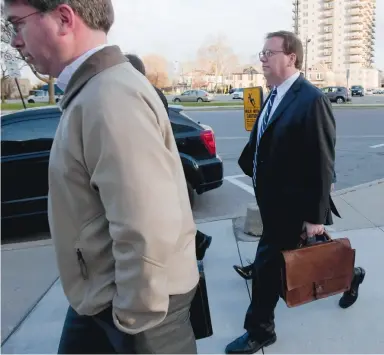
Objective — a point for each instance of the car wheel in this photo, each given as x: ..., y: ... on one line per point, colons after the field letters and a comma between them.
x: 31, y: 101
x: 199, y: 99
x: 176, y: 100
x: 191, y: 194
x: 340, y: 100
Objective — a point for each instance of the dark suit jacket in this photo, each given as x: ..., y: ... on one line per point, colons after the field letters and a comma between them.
x: 163, y: 98
x: 295, y: 158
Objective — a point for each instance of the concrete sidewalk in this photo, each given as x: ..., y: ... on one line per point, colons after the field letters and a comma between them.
x: 318, y: 327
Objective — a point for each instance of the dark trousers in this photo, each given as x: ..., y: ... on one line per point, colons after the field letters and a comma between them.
x: 266, y: 278
x: 98, y: 334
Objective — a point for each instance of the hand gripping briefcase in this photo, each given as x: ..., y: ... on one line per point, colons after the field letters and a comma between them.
x: 317, y: 270
x: 199, y: 313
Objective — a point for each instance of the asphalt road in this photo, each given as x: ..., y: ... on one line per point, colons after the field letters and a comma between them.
x: 367, y: 99
x: 359, y: 157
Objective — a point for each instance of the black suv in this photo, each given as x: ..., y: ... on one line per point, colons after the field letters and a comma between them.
x: 27, y: 138
x: 357, y: 90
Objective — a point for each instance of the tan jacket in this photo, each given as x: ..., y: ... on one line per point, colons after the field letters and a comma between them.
x: 119, y: 211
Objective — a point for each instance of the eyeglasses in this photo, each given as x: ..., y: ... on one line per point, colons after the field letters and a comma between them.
x: 268, y: 53
x: 13, y: 27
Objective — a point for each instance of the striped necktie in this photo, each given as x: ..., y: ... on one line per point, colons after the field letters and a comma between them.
x: 263, y: 127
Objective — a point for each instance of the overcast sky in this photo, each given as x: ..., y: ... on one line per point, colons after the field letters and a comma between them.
x: 177, y: 28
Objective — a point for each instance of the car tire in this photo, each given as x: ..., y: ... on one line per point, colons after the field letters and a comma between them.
x: 191, y: 194
x: 340, y: 100
x: 31, y: 101
x: 57, y: 100
x: 176, y: 100
x: 200, y: 99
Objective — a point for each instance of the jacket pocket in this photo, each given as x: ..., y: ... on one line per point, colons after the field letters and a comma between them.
x: 86, y: 232
x: 81, y: 261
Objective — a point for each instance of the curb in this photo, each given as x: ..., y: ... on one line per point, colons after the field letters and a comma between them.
x: 357, y: 187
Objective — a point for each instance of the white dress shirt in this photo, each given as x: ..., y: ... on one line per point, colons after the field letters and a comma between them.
x: 282, y: 89
x: 69, y: 70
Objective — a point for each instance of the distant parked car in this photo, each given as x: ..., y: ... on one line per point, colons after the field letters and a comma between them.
x: 357, y: 90
x: 238, y: 94
x: 194, y: 96
x: 231, y: 91
x: 26, y: 139
x: 378, y: 91
x: 338, y: 94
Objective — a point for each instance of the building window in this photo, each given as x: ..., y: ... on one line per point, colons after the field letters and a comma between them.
x: 305, y: 14
x: 305, y: 22
x: 319, y: 76
x: 250, y: 77
x: 305, y: 6
x: 240, y: 77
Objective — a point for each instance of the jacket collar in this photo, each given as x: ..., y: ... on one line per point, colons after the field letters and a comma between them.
x: 101, y: 60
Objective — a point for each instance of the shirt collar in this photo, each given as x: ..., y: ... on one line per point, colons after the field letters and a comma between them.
x: 286, y: 85
x: 69, y: 70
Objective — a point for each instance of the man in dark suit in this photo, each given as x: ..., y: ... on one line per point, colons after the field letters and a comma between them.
x: 290, y: 158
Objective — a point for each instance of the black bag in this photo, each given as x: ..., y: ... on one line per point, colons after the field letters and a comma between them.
x: 199, y: 313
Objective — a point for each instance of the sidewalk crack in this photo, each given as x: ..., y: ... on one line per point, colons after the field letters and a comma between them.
x: 361, y: 214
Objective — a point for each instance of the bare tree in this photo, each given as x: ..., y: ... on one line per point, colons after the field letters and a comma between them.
x: 9, y: 53
x: 217, y: 58
x: 156, y: 68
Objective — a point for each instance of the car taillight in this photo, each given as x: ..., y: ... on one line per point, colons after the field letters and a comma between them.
x: 208, y: 139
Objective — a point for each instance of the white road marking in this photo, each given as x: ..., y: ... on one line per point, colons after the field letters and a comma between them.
x: 377, y: 145
x: 233, y: 180
x: 235, y: 176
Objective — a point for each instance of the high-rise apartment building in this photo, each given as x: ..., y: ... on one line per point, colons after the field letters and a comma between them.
x: 339, y: 36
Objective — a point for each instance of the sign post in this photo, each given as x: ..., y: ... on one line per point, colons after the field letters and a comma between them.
x: 348, y: 73
x: 13, y: 70
x: 253, y: 101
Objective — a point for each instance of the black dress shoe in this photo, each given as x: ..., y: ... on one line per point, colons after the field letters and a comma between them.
x: 244, y: 271
x: 350, y: 297
x: 246, y: 345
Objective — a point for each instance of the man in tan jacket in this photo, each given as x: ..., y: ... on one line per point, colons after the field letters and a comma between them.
x: 119, y: 211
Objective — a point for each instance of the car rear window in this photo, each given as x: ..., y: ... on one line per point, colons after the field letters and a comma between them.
x: 30, y: 128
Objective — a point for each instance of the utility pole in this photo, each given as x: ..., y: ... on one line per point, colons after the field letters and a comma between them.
x: 307, y: 40
x: 296, y: 4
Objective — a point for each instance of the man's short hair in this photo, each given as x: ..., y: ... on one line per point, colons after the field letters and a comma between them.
x: 291, y: 44
x: 136, y: 62
x: 96, y: 14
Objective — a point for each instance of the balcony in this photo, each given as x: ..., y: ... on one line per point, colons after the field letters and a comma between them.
x: 353, y: 12
x: 327, y: 38
x: 353, y: 20
x: 327, y: 60
x: 355, y: 4
x: 354, y: 59
x: 327, y: 14
x: 355, y: 51
x: 353, y: 43
x: 327, y: 45
x: 354, y: 28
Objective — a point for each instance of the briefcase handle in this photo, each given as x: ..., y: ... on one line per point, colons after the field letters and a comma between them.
x: 304, y: 240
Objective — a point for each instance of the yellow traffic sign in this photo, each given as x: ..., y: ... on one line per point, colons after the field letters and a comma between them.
x: 253, y: 100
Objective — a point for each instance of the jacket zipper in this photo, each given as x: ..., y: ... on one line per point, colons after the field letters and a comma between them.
x: 82, y: 264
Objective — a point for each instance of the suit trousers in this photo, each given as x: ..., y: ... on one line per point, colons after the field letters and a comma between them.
x: 266, y: 274
x: 98, y: 334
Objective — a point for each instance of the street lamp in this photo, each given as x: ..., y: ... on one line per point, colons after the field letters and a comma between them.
x: 306, y: 56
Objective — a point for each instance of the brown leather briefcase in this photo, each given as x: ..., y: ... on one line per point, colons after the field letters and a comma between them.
x: 317, y: 270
